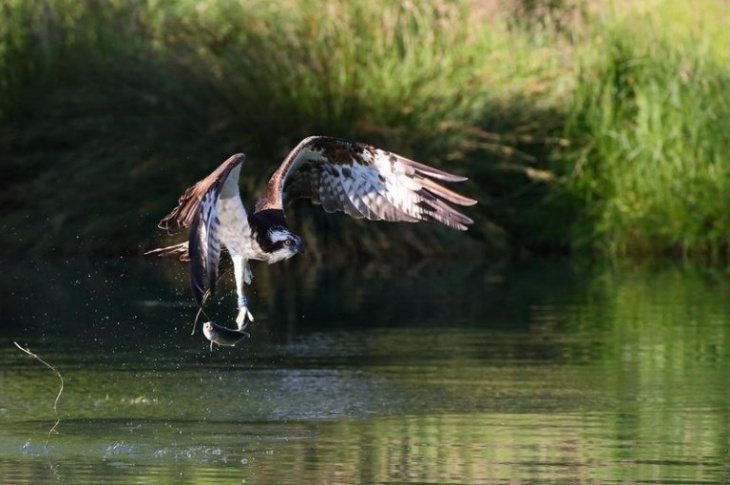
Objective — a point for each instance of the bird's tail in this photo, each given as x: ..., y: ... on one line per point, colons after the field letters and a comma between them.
x: 179, y: 250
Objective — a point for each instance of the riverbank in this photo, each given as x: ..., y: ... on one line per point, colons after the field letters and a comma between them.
x: 581, y: 127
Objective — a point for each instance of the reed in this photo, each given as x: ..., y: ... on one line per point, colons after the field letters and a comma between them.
x: 581, y: 126
x: 650, y: 112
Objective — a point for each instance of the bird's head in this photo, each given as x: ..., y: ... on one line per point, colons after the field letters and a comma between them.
x: 282, y: 244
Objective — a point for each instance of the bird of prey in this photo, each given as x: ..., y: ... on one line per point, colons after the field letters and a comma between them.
x: 356, y: 178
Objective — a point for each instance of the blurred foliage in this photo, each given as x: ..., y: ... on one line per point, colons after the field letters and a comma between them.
x: 651, y: 112
x: 109, y: 109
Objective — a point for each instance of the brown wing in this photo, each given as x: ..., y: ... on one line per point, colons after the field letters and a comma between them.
x: 198, y: 209
x: 364, y: 181
x: 189, y: 202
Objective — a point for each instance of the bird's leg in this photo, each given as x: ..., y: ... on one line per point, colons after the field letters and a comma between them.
x: 243, y: 277
x: 243, y: 314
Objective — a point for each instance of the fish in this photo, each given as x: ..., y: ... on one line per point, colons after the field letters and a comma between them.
x: 222, y: 335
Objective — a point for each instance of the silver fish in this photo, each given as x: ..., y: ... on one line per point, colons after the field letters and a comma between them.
x: 222, y: 335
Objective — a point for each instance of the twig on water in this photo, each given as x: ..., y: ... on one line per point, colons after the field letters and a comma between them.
x: 58, y: 396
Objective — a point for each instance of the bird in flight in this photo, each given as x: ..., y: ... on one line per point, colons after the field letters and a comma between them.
x: 356, y: 178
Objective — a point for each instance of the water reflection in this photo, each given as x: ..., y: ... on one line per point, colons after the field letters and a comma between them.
x: 546, y: 372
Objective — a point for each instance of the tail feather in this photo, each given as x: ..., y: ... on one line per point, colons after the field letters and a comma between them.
x: 179, y: 250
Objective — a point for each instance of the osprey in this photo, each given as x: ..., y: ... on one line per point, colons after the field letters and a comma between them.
x: 356, y: 178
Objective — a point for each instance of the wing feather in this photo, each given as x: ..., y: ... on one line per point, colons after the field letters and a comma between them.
x: 364, y: 181
x: 199, y: 208
x: 189, y: 202
x: 204, y: 247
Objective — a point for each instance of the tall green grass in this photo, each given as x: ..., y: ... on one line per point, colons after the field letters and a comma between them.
x: 580, y: 126
x: 89, y: 112
x: 138, y: 102
x: 650, y: 115
x: 433, y: 80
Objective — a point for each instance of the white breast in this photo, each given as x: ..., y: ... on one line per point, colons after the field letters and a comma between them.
x: 234, y: 231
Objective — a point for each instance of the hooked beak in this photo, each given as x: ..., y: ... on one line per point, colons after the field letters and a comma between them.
x: 299, y: 247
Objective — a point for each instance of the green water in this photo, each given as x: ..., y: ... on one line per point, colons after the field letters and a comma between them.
x: 530, y: 373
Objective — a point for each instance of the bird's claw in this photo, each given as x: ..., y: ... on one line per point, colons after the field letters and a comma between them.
x: 241, y: 322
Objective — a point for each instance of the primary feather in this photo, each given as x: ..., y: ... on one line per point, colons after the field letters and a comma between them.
x: 364, y: 181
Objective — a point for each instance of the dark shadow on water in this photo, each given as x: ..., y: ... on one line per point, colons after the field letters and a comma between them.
x: 99, y: 301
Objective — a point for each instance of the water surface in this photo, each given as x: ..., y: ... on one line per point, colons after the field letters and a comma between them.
x: 530, y: 373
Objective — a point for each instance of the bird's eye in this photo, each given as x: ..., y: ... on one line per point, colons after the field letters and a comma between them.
x: 288, y: 242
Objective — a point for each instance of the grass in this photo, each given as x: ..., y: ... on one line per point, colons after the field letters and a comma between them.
x: 581, y: 127
x: 651, y: 111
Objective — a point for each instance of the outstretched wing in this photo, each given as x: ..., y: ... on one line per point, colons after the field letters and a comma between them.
x: 199, y: 209
x: 364, y: 181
